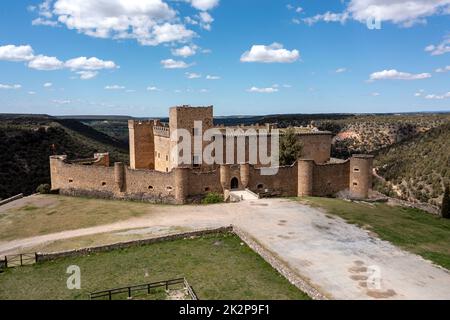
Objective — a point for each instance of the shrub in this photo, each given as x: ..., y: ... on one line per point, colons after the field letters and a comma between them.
x: 43, y: 189
x: 212, y: 198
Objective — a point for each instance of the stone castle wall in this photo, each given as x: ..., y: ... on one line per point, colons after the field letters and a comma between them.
x: 181, y: 185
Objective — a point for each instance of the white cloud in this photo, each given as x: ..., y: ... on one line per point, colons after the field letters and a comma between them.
x: 58, y: 101
x: 186, y: 51
x: 86, y: 68
x: 203, y: 90
x: 402, y: 12
x: 327, y: 17
x: 16, y: 53
x: 31, y: 92
x: 440, y: 49
x: 153, y: 88
x: 44, y: 22
x: 204, y: 5
x: 397, y: 75
x: 442, y: 70
x: 83, y: 63
x: 210, y: 77
x: 206, y: 20
x: 150, y: 22
x: 341, y: 70
x: 87, y: 75
x: 174, y: 64
x: 48, y: 85
x: 45, y: 63
x: 193, y: 75
x: 375, y: 94
x: 275, y: 53
x: 114, y: 87
x: 263, y: 90
x: 438, y: 97
x: 168, y: 33
x: 10, y: 86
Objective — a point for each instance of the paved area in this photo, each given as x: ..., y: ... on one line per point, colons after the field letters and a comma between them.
x: 341, y: 260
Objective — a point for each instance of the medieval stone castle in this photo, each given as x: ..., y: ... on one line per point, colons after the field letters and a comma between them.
x: 154, y: 174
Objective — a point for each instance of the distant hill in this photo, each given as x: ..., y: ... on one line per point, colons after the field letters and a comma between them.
x: 27, y: 143
x: 417, y: 169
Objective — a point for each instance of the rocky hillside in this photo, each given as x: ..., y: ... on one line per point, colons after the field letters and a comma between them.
x: 416, y: 169
x: 27, y: 143
x: 370, y: 133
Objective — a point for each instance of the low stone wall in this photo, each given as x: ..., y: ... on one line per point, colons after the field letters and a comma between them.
x: 17, y: 197
x: 278, y: 265
x: 267, y: 255
x: 42, y: 257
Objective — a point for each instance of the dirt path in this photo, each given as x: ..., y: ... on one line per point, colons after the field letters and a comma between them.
x: 340, y: 260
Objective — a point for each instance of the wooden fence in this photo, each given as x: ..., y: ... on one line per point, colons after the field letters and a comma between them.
x: 18, y: 260
x: 108, y: 294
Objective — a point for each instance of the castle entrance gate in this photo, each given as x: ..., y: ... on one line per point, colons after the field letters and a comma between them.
x: 234, y: 183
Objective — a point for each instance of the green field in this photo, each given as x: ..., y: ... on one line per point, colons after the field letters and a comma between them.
x: 411, y: 229
x: 53, y: 213
x: 216, y: 266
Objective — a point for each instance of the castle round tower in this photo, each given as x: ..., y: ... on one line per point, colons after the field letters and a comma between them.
x: 225, y: 176
x: 361, y: 167
x: 119, y: 176
x: 181, y: 185
x: 305, y: 177
x: 245, y: 175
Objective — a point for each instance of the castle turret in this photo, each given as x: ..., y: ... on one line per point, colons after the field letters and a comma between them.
x: 245, y: 175
x: 119, y: 176
x: 225, y: 176
x: 360, y: 176
x: 181, y: 185
x: 142, y: 144
x: 305, y: 177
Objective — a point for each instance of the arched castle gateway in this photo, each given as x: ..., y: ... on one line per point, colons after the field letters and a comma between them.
x: 155, y: 175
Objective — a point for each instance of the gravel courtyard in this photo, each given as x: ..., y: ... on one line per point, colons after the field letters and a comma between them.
x: 340, y: 260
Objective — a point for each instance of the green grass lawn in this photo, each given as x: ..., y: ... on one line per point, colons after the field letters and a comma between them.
x: 412, y: 229
x: 53, y: 213
x: 216, y: 266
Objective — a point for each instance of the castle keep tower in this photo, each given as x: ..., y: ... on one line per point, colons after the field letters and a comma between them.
x: 183, y: 118
x: 142, y: 144
x: 361, y: 167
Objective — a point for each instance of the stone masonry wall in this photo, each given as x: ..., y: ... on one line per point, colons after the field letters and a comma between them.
x: 330, y: 178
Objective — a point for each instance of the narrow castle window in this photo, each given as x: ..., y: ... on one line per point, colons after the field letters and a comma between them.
x: 169, y: 188
x: 260, y: 186
x: 355, y: 183
x: 356, y: 169
x: 103, y: 184
x: 207, y: 189
x: 150, y: 187
x: 70, y: 180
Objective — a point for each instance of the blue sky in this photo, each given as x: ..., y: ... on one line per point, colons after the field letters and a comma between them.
x: 305, y: 56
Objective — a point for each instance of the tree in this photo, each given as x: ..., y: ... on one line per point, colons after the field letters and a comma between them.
x: 290, y: 147
x: 446, y: 203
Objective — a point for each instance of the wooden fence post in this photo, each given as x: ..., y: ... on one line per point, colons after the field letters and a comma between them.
x: 21, y: 261
x: 6, y: 262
